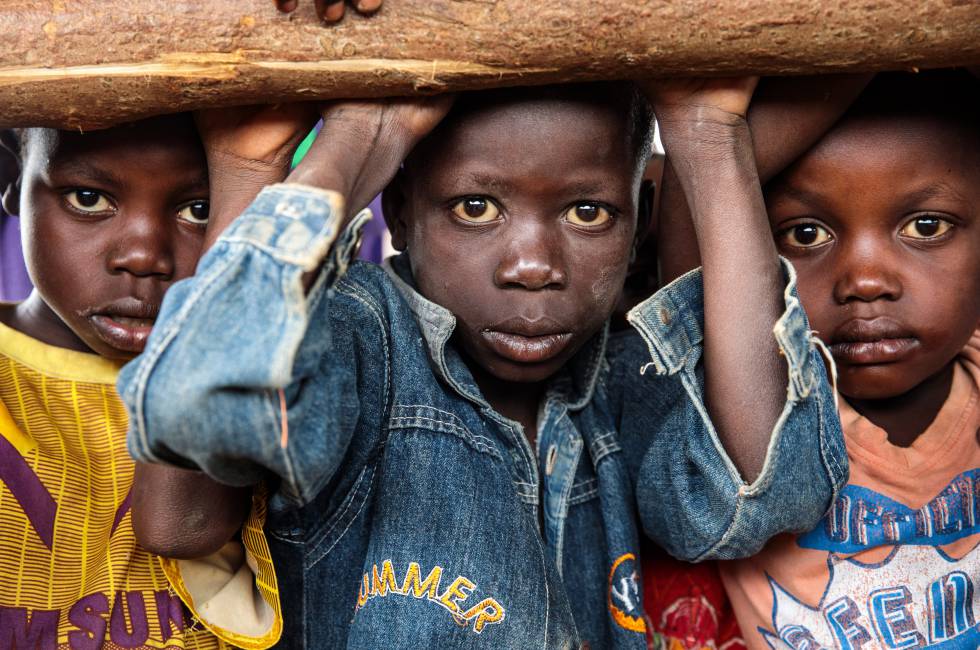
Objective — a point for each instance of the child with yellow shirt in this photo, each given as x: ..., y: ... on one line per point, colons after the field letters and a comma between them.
x: 111, y: 219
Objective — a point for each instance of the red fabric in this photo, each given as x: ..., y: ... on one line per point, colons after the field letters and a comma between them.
x: 686, y: 605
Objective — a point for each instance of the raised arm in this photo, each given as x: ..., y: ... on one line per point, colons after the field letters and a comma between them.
x: 230, y: 382
x: 706, y: 135
x: 181, y: 513
x: 786, y: 117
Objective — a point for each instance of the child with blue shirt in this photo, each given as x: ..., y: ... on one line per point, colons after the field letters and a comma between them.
x: 458, y: 448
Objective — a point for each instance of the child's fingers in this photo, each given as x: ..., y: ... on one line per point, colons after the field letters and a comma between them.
x: 329, y: 10
x: 367, y: 6
x: 286, y: 6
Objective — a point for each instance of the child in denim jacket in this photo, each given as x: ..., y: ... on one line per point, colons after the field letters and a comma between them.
x: 458, y: 448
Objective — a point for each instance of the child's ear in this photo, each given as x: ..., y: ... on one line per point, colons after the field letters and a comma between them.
x: 645, y: 225
x: 393, y: 208
x: 9, y: 172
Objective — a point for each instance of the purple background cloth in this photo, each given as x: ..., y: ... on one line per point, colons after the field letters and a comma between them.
x: 373, y: 235
x: 14, y: 283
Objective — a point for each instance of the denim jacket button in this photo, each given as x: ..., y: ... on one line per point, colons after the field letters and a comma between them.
x: 664, y: 316
x: 549, y: 465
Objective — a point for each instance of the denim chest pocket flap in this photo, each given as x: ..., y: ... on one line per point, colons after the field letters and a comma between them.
x: 406, y: 419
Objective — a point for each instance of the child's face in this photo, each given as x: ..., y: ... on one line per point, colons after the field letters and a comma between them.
x: 520, y: 221
x: 881, y: 221
x: 110, y: 220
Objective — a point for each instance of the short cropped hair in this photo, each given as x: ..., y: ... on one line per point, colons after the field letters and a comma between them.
x: 951, y: 95
x: 637, y: 111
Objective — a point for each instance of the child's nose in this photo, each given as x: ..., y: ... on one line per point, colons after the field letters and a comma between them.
x: 530, y: 274
x: 869, y: 273
x: 532, y: 261
x: 143, y: 249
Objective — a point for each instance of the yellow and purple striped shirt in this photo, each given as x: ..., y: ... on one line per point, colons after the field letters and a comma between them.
x: 71, y: 572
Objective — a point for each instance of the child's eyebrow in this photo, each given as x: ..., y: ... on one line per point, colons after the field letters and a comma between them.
x: 494, y: 183
x: 85, y: 169
x: 938, y: 190
x: 800, y: 194
x: 197, y: 182
x: 489, y: 181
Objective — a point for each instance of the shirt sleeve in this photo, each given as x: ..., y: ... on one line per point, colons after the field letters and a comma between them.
x: 691, y: 498
x: 234, y: 592
x: 233, y: 379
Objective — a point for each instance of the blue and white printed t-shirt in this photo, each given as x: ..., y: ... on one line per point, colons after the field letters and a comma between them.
x: 895, y: 563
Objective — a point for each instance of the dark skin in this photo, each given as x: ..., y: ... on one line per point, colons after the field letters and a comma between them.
x: 543, y: 240
x: 125, y: 209
x: 331, y: 11
x: 526, y: 270
x: 890, y: 278
x: 787, y: 116
x: 110, y: 220
x: 707, y: 138
x: 246, y: 149
x: 364, y: 143
x: 528, y: 252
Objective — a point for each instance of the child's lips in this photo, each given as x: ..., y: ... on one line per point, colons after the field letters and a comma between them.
x: 872, y: 341
x: 527, y: 349
x: 866, y: 353
x: 122, y: 332
x: 124, y: 324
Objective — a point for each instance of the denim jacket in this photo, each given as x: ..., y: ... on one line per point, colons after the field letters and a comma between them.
x: 408, y: 513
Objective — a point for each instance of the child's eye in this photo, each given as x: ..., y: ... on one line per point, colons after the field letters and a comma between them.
x: 88, y: 201
x: 805, y: 235
x: 925, y: 228
x: 476, y: 209
x: 588, y: 214
x: 195, y: 213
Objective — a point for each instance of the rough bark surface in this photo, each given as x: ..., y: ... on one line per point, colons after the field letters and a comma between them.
x: 91, y: 63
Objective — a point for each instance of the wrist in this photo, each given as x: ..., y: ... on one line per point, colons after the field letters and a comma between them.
x: 233, y: 188
x: 325, y: 177
x: 707, y: 136
x: 225, y: 164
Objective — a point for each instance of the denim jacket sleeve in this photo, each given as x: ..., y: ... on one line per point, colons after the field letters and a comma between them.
x: 222, y: 383
x: 692, y: 500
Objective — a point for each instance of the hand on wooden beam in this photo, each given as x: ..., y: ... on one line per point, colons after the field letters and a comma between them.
x: 248, y: 148
x: 331, y: 11
x: 729, y: 96
x: 364, y: 142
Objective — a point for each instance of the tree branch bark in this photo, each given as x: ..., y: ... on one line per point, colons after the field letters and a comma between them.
x: 90, y: 63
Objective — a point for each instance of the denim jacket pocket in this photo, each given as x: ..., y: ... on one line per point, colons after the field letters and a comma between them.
x: 428, y: 418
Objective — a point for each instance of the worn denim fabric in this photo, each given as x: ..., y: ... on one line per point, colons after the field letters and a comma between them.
x: 407, y: 513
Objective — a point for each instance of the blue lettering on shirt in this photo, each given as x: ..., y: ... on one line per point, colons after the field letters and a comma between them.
x: 862, y: 519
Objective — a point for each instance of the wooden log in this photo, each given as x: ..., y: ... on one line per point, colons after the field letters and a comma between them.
x: 90, y: 63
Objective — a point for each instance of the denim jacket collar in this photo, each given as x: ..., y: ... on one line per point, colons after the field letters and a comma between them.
x: 436, y: 322
x: 573, y: 386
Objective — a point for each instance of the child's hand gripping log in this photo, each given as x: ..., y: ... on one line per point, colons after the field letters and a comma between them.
x: 331, y: 10
x: 356, y: 153
x: 363, y: 143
